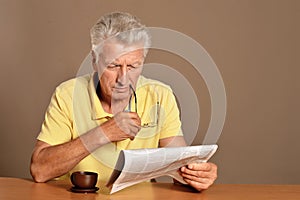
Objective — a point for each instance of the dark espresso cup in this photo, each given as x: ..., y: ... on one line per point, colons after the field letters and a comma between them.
x: 84, y: 180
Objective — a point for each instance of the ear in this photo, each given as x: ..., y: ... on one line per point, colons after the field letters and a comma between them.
x: 94, y: 59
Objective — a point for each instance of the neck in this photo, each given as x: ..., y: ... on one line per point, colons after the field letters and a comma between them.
x: 109, y: 104
x: 114, y: 106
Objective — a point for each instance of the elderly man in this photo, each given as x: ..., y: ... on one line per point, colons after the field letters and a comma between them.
x: 91, y: 118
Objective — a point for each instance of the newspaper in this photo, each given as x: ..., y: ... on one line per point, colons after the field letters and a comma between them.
x: 135, y: 166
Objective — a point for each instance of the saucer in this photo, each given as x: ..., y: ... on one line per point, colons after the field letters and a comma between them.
x: 84, y: 190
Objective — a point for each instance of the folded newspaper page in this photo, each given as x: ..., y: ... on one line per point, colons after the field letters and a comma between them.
x: 138, y: 165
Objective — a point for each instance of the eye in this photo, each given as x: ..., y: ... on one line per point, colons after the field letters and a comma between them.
x: 130, y: 67
x: 134, y: 66
x: 113, y: 66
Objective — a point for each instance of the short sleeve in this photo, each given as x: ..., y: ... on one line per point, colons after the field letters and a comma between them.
x: 170, y: 116
x: 57, y: 126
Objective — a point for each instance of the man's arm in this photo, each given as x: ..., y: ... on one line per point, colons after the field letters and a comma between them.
x: 48, y: 161
x: 198, y: 175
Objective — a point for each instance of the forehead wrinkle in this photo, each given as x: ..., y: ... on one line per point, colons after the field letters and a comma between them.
x: 119, y: 50
x: 131, y: 57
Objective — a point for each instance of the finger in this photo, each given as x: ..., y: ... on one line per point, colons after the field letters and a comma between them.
x: 135, y: 117
x: 132, y: 117
x: 131, y: 137
x: 134, y: 123
x: 197, y: 185
x: 124, y: 119
x: 134, y: 130
x: 126, y: 115
x: 203, y: 180
x: 201, y: 166
x: 201, y: 174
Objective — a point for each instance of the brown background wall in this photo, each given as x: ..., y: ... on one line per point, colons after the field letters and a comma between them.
x: 255, y: 44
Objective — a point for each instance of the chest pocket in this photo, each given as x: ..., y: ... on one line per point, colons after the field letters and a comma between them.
x: 151, y: 122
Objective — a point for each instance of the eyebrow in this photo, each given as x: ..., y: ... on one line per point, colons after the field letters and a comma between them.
x: 116, y: 62
x: 137, y: 62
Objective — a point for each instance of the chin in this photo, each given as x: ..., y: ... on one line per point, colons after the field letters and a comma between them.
x: 120, y: 96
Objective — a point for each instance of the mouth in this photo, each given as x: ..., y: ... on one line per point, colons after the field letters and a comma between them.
x: 120, y: 89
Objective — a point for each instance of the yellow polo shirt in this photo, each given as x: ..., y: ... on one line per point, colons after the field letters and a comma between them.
x: 75, y: 109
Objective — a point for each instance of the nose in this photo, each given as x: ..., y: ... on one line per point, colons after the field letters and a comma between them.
x: 123, y: 70
x: 122, y: 75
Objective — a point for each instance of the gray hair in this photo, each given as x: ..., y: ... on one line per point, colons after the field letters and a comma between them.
x: 123, y: 27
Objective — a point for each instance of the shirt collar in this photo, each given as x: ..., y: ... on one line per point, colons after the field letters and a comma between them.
x: 97, y: 109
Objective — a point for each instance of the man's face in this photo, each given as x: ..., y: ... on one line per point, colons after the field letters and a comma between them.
x: 118, y: 68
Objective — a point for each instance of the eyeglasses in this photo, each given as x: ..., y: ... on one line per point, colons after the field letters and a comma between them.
x: 154, y: 123
x: 135, y: 100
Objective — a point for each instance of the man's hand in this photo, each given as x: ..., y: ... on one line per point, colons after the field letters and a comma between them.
x: 199, y: 175
x: 122, y: 126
